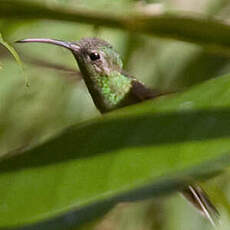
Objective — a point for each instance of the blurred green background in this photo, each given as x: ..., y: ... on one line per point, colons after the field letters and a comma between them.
x: 56, y: 96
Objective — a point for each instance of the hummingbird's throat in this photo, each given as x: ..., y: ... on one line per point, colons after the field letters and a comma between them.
x: 112, y: 90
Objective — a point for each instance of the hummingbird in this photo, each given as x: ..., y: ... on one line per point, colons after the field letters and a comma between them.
x: 111, y: 88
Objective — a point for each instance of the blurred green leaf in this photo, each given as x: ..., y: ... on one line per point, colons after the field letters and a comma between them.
x: 11, y: 50
x: 210, y: 33
x: 15, y: 55
x: 138, y: 152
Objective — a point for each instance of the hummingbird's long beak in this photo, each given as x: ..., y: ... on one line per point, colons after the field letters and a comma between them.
x: 73, y: 46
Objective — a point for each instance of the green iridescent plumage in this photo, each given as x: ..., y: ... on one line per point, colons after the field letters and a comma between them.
x: 113, y: 89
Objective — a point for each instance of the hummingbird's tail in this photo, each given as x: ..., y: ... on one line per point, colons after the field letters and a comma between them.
x: 197, y: 196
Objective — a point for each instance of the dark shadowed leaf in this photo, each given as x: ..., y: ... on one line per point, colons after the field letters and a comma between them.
x: 199, y: 29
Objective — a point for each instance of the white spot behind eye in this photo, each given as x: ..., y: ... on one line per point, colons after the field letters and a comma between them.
x: 101, y: 66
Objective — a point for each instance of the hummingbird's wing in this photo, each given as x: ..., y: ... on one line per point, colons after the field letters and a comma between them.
x: 139, y: 92
x: 142, y: 93
x: 199, y: 199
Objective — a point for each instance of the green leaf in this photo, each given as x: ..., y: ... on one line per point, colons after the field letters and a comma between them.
x: 15, y: 55
x: 199, y: 29
x: 11, y: 50
x: 138, y: 152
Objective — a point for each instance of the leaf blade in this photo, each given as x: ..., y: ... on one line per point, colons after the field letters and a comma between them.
x: 135, y: 153
x: 15, y: 55
x: 208, y: 32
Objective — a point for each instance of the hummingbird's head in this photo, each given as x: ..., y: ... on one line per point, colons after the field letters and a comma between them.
x: 94, y: 56
x: 101, y: 67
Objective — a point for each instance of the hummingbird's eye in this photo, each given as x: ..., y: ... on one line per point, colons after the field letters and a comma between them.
x: 94, y: 56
